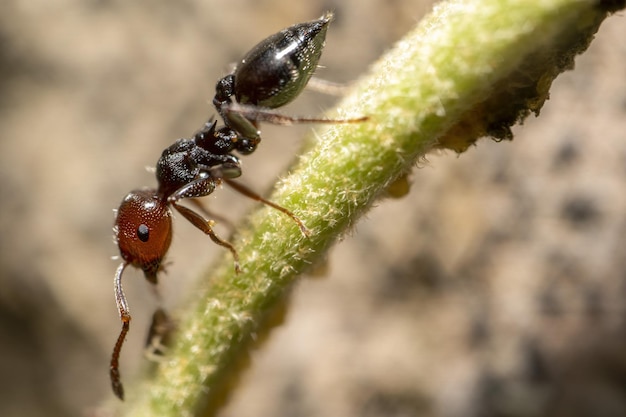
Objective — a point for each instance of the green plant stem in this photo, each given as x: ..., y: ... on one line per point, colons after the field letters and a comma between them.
x: 438, y: 87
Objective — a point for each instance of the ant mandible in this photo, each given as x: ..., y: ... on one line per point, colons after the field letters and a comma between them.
x: 271, y: 75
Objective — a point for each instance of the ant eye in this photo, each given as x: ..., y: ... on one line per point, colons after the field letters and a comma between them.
x: 143, y: 232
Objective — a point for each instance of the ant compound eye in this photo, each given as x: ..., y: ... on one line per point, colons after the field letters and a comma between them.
x: 143, y: 233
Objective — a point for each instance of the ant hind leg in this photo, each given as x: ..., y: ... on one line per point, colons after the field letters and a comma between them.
x: 260, y: 114
x: 323, y: 86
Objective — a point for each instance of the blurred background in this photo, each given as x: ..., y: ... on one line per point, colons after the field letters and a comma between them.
x: 494, y: 288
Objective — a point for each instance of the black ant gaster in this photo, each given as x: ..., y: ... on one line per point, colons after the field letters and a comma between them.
x: 271, y: 75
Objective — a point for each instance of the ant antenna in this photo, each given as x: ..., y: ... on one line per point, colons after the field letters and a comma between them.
x: 122, y: 305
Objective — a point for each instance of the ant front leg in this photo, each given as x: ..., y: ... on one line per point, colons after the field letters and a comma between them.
x: 207, y: 227
x: 199, y: 188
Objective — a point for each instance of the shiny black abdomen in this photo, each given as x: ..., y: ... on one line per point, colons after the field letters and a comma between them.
x: 275, y: 71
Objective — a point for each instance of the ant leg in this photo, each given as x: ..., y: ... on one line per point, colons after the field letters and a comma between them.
x: 251, y: 194
x: 323, y: 86
x: 241, y: 121
x: 160, y: 335
x: 259, y: 114
x: 122, y: 306
x: 207, y: 227
x: 220, y: 219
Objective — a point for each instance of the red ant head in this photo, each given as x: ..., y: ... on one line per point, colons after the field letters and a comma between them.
x: 143, y: 231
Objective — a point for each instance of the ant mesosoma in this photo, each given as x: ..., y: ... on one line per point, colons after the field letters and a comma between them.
x: 271, y: 75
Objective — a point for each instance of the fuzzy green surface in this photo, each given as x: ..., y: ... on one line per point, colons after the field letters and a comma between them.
x: 447, y: 64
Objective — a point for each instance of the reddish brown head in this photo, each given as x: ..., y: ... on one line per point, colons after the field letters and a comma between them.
x: 143, y: 231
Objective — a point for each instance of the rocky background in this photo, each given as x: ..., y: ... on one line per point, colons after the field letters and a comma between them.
x: 496, y: 287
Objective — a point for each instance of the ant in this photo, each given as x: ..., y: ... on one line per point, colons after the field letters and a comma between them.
x: 272, y: 74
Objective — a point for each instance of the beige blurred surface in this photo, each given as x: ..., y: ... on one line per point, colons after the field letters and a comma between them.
x: 495, y: 288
